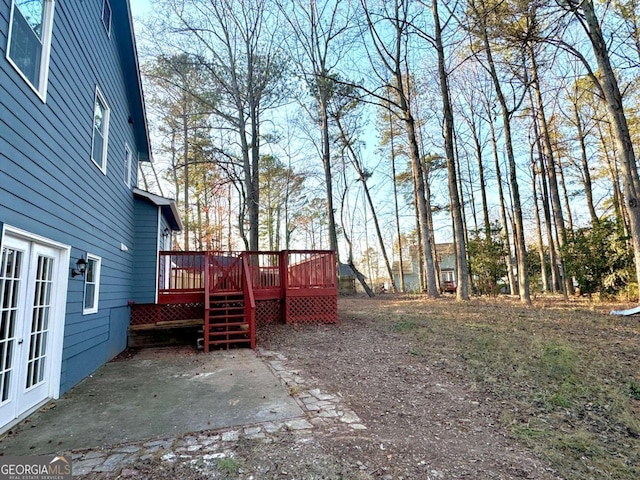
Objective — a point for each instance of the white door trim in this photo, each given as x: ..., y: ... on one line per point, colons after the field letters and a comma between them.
x: 58, y: 304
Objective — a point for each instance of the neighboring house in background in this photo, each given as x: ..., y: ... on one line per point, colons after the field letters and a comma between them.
x: 346, y: 279
x: 446, y: 264
x: 72, y: 130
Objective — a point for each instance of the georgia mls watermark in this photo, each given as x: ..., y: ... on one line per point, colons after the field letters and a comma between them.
x: 42, y: 467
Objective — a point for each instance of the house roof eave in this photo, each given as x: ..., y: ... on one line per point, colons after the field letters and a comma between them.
x: 167, y: 205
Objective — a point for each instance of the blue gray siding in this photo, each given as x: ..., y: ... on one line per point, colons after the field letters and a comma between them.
x: 48, y: 184
x: 146, y: 252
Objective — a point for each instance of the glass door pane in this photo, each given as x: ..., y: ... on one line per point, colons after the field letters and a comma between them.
x: 10, y: 273
x: 40, y: 321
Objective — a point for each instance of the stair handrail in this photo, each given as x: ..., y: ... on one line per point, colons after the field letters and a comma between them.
x: 248, y: 288
x: 207, y: 293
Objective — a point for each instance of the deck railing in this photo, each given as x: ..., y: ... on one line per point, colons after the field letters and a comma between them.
x: 225, y: 271
x: 180, y: 276
x: 265, y: 269
x: 182, y: 273
x: 252, y: 302
x: 311, y: 269
x: 294, y: 285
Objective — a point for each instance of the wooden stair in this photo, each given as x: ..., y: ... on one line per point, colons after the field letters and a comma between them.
x: 229, y: 313
x: 226, y: 322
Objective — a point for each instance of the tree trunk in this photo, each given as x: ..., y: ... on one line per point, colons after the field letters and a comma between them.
x: 551, y: 167
x: 503, y: 210
x: 420, y: 257
x: 552, y: 238
x: 254, y: 193
x: 472, y: 196
x: 614, y: 174
x: 565, y: 195
x: 326, y: 163
x: 618, y: 119
x: 462, y: 290
x: 362, y: 280
x: 426, y: 171
x: 536, y: 211
x: 552, y: 232
x: 185, y: 160
x: 394, y: 59
x: 363, y: 179
x: 586, y: 174
x: 483, y: 186
x: 425, y: 234
x: 396, y: 208
x: 521, y: 251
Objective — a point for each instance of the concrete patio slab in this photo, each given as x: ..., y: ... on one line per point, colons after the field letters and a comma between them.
x: 156, y: 396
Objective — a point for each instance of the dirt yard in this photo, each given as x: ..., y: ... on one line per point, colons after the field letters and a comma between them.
x: 483, y: 390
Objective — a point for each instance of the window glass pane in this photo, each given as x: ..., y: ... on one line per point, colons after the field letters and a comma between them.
x: 89, y: 295
x: 26, y: 47
x: 91, y: 283
x: 127, y: 166
x: 99, y: 127
x: 98, y: 144
x: 33, y: 13
x: 91, y: 271
x: 98, y: 115
x: 106, y: 14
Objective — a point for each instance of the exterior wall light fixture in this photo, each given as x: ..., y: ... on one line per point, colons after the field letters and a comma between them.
x: 81, y: 268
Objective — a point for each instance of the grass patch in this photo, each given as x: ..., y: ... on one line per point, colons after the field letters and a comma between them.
x: 404, y: 326
x: 566, y: 375
x: 527, y: 433
x: 228, y: 466
x: 634, y: 389
x: 558, y: 362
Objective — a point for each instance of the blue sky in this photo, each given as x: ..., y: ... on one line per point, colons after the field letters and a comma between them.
x: 139, y: 8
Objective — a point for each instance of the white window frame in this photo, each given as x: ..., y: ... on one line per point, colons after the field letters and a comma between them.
x: 99, y: 97
x: 47, y: 29
x: 98, y: 264
x: 128, y: 164
x: 107, y: 24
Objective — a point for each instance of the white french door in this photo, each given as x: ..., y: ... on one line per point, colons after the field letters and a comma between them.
x: 30, y: 325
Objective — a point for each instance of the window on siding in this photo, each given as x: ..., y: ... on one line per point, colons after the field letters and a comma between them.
x: 100, y: 132
x: 29, y: 41
x: 127, y: 166
x: 91, y: 285
x: 106, y: 16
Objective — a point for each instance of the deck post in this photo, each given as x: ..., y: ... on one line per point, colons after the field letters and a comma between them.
x: 284, y: 281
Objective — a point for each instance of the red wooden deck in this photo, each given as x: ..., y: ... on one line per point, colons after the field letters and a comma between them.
x: 292, y: 286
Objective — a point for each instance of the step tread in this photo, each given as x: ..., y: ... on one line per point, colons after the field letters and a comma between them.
x: 221, y: 342
x: 227, y: 324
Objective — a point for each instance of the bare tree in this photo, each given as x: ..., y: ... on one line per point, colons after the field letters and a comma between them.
x: 318, y: 30
x: 462, y: 270
x: 549, y: 154
x: 575, y: 94
x: 481, y: 12
x: 235, y: 43
x: 584, y: 12
x: 347, y: 141
x: 391, y: 51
